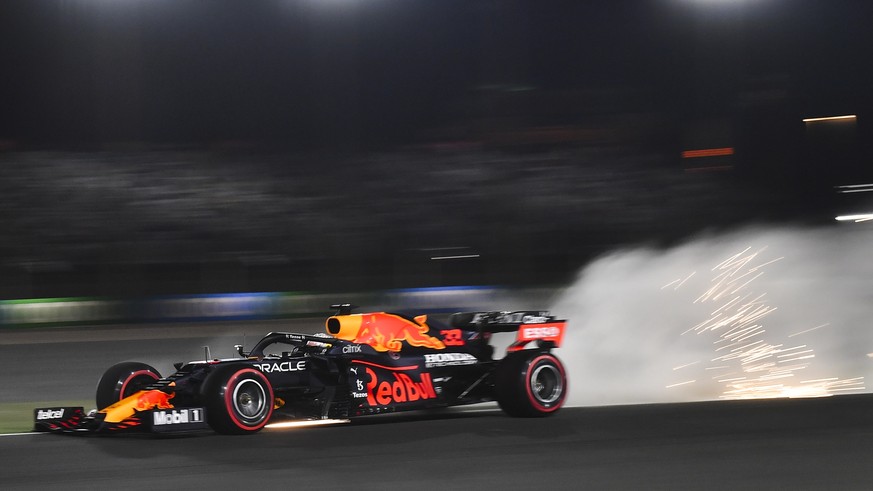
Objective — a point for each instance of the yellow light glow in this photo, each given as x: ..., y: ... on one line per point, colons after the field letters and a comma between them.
x: 707, y: 152
x: 830, y: 118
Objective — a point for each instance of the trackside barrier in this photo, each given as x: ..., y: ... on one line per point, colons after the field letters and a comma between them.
x: 62, y: 310
x: 250, y: 306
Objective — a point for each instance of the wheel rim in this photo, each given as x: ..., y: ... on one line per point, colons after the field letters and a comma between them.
x: 546, y: 384
x: 250, y: 401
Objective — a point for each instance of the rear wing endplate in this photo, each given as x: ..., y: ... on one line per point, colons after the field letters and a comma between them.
x: 530, y: 325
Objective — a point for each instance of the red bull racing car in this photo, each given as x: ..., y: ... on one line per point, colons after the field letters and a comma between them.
x: 366, y: 363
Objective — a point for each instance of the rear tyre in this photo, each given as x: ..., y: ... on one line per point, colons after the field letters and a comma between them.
x: 530, y: 384
x: 239, y: 399
x: 123, y: 380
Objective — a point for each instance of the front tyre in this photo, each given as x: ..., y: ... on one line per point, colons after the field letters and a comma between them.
x: 530, y: 384
x: 239, y: 399
x: 123, y: 380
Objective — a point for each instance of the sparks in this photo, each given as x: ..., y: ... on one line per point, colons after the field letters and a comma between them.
x: 307, y: 423
x: 751, y: 366
x: 809, y: 330
x: 680, y: 383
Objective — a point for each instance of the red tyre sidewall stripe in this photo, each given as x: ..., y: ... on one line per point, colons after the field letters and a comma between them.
x: 228, y: 399
x: 133, y: 376
x: 530, y: 395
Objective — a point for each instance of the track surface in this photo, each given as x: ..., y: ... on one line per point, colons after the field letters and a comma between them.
x: 775, y: 444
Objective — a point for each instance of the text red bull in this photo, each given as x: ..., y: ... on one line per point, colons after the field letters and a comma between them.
x: 399, y: 390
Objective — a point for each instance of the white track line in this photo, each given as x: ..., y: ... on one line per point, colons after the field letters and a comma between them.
x: 28, y: 433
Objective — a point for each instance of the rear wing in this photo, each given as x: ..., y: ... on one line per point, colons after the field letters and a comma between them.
x: 530, y: 325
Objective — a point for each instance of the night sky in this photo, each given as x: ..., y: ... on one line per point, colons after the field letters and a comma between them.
x: 358, y: 73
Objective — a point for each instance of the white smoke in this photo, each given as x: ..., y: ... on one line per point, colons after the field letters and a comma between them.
x: 628, y: 311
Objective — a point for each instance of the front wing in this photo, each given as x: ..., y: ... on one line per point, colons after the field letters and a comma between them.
x: 74, y: 420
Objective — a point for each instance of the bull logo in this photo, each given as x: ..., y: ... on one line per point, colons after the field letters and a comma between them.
x: 382, y: 331
x: 143, y: 400
x: 153, y: 399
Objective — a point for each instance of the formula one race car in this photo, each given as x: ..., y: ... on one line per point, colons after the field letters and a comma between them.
x: 366, y: 364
